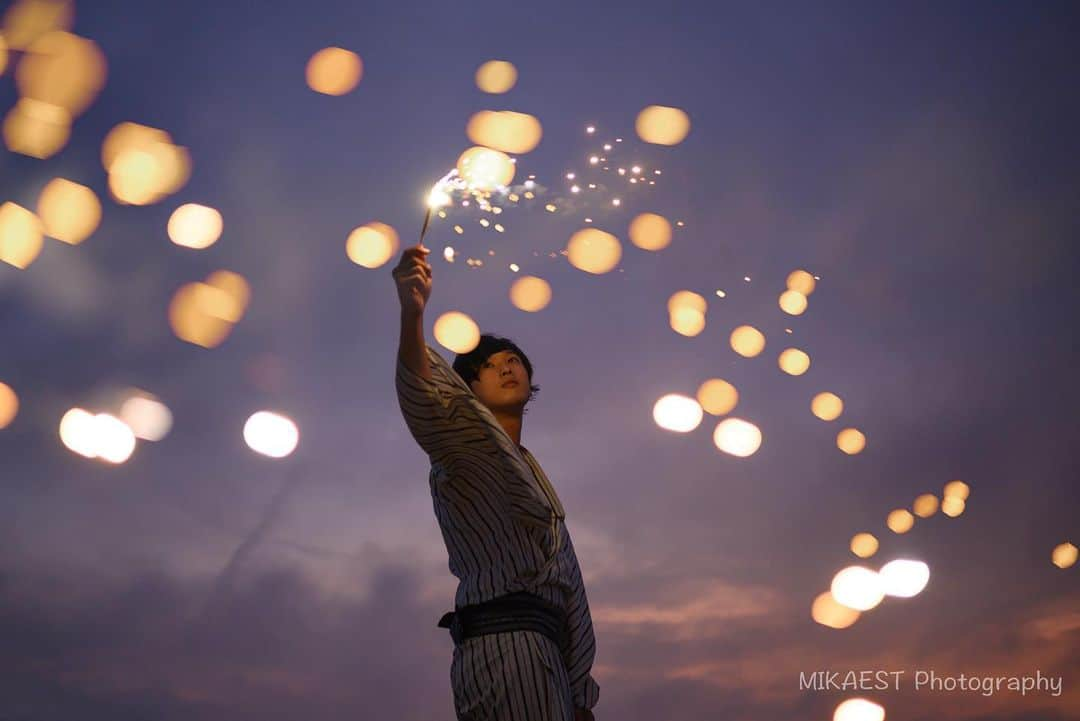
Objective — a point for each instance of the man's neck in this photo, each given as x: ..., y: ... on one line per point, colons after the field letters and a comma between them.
x: 511, y: 423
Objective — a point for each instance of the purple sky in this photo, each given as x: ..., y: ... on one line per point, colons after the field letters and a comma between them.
x: 921, y: 160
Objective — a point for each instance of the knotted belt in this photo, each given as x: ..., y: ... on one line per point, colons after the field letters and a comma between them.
x: 520, y: 611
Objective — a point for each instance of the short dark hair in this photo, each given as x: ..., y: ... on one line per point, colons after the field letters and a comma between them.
x: 467, y: 365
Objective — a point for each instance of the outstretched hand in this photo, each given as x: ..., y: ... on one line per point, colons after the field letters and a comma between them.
x: 413, y: 277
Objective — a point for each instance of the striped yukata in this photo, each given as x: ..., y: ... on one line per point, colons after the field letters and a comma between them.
x: 504, y: 529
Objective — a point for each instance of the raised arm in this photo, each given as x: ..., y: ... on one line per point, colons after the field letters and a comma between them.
x: 413, y: 277
x: 443, y: 414
x: 441, y: 411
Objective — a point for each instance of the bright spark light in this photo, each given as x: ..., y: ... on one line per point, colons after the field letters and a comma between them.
x: 438, y: 197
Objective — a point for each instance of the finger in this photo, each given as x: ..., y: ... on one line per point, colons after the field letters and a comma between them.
x: 412, y: 264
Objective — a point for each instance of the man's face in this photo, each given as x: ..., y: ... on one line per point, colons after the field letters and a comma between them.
x: 502, y: 382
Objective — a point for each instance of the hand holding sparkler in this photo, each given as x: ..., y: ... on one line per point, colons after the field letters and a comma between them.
x: 413, y: 272
x: 413, y: 277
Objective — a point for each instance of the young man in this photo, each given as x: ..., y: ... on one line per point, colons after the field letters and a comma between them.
x: 523, y: 637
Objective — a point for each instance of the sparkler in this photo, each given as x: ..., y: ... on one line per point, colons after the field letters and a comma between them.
x: 437, y: 198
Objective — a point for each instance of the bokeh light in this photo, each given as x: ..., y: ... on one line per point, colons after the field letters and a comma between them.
x: 9, y: 405
x: 147, y: 417
x: 676, y: 412
x: 594, y: 251
x: 857, y: 587
x: 334, y: 71
x: 662, y: 125
x: 864, y: 545
x: 236, y: 288
x: 36, y: 129
x: 372, y: 245
x: 62, y: 69
x: 77, y: 432
x: 271, y: 434
x: 195, y: 226
x: 133, y: 178
x: 794, y: 361
x: 900, y: 520
x: 953, y: 506
x: 130, y: 136
x: 530, y: 294
x: 903, y: 578
x: 505, y: 130
x: 20, y: 235
x: 101, y: 436
x: 851, y: 441
x: 69, y: 212
x: 687, y: 321
x: 792, y: 302
x: 27, y: 20
x: 3, y: 54
x: 925, y: 505
x: 801, y: 282
x: 650, y: 231
x: 1063, y: 556
x: 747, y: 341
x: 496, y: 76
x: 828, y: 612
x: 195, y: 314
x: 957, y: 489
x: 737, y: 437
x: 686, y: 298
x: 143, y: 164
x: 485, y: 169
x: 217, y: 302
x: 827, y: 406
x: 457, y: 332
x: 717, y: 397
x: 859, y: 709
x: 113, y: 440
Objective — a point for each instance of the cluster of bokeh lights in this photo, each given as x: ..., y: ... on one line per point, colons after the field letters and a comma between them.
x: 58, y: 75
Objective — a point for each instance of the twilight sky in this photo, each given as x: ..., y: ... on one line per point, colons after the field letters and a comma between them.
x: 920, y: 158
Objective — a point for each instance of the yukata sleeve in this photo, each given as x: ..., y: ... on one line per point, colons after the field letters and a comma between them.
x: 581, y: 649
x: 440, y: 413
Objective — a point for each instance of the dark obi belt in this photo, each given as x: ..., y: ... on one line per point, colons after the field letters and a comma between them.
x: 520, y: 611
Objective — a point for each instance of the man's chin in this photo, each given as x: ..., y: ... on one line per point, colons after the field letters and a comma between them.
x: 509, y: 408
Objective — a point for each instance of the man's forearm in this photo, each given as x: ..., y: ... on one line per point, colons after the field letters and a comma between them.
x: 412, y: 348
